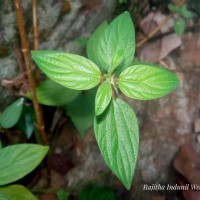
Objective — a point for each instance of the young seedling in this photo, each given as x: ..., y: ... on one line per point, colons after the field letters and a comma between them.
x: 183, y: 14
x: 110, y: 66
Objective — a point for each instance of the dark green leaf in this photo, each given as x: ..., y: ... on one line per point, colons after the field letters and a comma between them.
x: 19, y: 160
x: 51, y: 93
x: 17, y: 192
x: 82, y: 111
x: 118, y: 36
x: 179, y: 26
x: 27, y: 120
x: 70, y: 70
x: 117, y: 135
x: 96, y: 192
x: 62, y: 195
x: 145, y: 81
x: 11, y: 114
x: 103, y: 97
x: 92, y: 44
x: 1, y: 145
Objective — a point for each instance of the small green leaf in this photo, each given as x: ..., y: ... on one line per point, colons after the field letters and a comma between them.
x: 118, y: 36
x: 92, y: 44
x: 51, y: 93
x: 103, y: 97
x: 145, y: 81
x: 179, y: 26
x: 117, y: 60
x: 122, y: 1
x: 16, y: 192
x: 96, y: 192
x: 117, y: 135
x: 70, y: 70
x: 81, y: 42
x: 11, y: 114
x: 26, y: 122
x: 82, y: 110
x: 62, y: 195
x: 185, y: 12
x: 173, y: 8
x: 19, y: 160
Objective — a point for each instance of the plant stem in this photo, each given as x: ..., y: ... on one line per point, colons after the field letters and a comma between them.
x: 163, y: 22
x: 26, y: 53
x: 35, y: 25
x: 36, y: 36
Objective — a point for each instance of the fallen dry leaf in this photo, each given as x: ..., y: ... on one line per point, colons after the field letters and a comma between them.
x: 187, y: 163
x: 155, y: 51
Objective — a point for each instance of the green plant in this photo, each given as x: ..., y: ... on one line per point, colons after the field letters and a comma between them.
x: 18, y: 161
x: 110, y: 66
x: 183, y: 14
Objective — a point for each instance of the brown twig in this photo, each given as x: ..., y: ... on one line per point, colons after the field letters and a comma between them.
x: 163, y: 22
x: 36, y: 35
x: 26, y: 53
x: 35, y: 25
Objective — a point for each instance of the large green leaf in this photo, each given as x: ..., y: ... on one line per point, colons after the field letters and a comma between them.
x: 53, y: 94
x: 18, y: 160
x: 145, y: 81
x: 70, y: 70
x: 82, y: 111
x: 16, y: 192
x: 179, y: 26
x: 11, y: 114
x: 92, y: 44
x: 119, y: 36
x: 117, y: 135
x: 96, y: 192
x: 103, y: 97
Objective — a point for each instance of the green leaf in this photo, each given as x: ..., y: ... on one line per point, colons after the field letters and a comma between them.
x: 81, y: 41
x: 17, y: 192
x: 145, y: 81
x: 173, y: 8
x: 96, y: 192
x: 118, y: 36
x: 82, y: 111
x: 117, y: 135
x: 11, y: 114
x: 185, y: 12
x: 51, y: 93
x: 26, y: 122
x: 62, y: 195
x: 122, y: 1
x: 93, y: 41
x: 179, y: 26
x: 19, y: 160
x: 103, y: 97
x: 4, y: 196
x: 117, y: 60
x: 70, y: 70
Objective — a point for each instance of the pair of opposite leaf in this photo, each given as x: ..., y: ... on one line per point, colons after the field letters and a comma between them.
x: 111, y: 51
